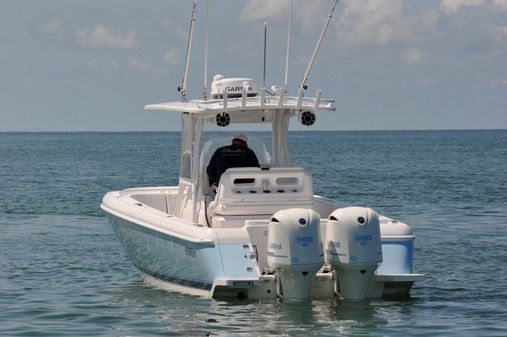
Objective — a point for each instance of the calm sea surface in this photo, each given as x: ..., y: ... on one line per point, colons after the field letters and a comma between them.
x: 63, y: 273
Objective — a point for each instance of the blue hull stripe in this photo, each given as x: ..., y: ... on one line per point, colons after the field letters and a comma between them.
x: 179, y: 281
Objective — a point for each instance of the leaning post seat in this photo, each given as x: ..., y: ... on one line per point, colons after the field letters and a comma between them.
x: 252, y: 191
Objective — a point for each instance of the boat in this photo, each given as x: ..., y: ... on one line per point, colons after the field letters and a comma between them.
x: 261, y: 232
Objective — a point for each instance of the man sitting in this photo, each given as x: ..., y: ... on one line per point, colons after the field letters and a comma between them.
x: 235, y: 155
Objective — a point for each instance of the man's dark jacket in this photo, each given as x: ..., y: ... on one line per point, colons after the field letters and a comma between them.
x: 230, y: 156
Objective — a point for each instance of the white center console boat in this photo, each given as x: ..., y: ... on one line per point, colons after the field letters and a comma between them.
x: 261, y: 233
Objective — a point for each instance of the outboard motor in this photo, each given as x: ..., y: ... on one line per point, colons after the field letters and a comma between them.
x: 295, y: 250
x: 353, y: 247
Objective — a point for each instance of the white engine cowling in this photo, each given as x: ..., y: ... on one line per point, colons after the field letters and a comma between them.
x: 353, y: 247
x: 295, y: 250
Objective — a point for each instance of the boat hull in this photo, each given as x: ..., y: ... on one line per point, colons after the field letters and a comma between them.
x: 186, y: 265
x: 229, y: 262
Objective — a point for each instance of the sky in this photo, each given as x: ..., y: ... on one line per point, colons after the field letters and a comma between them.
x: 90, y: 65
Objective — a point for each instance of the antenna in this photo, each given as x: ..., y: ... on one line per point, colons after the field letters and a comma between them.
x: 302, y: 85
x: 205, y: 89
x: 265, y: 38
x: 183, y: 87
x: 288, y: 49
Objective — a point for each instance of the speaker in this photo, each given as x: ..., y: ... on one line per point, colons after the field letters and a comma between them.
x: 307, y: 118
x: 223, y: 119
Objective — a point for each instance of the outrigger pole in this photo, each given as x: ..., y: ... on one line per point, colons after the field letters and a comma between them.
x: 265, y: 45
x: 302, y: 85
x: 288, y: 49
x: 205, y: 89
x: 183, y: 87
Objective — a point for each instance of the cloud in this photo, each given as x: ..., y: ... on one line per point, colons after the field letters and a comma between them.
x: 144, y: 67
x: 411, y: 56
x: 425, y: 81
x: 451, y: 6
x: 91, y: 64
x: 502, y: 32
x: 51, y: 26
x: 175, y: 29
x: 502, y: 4
x: 172, y: 56
x: 310, y: 12
x: 372, y: 22
x: 264, y: 9
x: 494, y: 83
x: 101, y: 67
x: 306, y: 13
x: 355, y: 22
x: 101, y: 36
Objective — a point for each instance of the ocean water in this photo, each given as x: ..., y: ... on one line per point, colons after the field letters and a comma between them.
x: 63, y: 273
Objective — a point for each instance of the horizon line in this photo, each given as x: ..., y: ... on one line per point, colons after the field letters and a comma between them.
x: 234, y: 130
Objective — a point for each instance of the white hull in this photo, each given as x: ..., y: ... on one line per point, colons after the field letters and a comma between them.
x: 176, y: 255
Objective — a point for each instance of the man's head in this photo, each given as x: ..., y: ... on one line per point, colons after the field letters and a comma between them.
x: 240, y: 139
